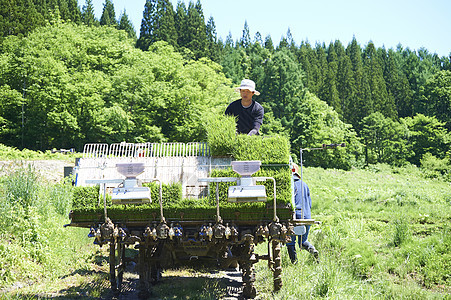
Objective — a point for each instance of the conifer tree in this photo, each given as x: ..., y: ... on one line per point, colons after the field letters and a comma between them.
x: 229, y: 42
x: 108, y: 17
x: 164, y: 23
x: 269, y: 44
x: 158, y: 24
x: 258, y: 57
x: 283, y: 44
x: 212, y: 40
x: 245, y: 40
x: 307, y: 59
x: 418, y: 68
x: 331, y: 54
x: 196, y: 31
x: 290, y: 41
x: 361, y: 105
x: 126, y: 24
x: 328, y: 91
x: 52, y: 6
x: 346, y: 88
x: 63, y: 9
x: 87, y: 14
x: 18, y: 17
x: 445, y: 62
x: 147, y: 25
x: 181, y: 24
x: 339, y: 49
x: 258, y: 38
x: 283, y: 85
x: 74, y: 11
x: 43, y: 7
x: 322, y: 70
x: 380, y: 99
x: 437, y: 97
x: 397, y: 85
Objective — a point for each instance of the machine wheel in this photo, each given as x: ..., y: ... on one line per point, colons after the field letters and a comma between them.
x: 277, y: 273
x: 144, y: 274
x: 149, y: 272
x: 249, y: 290
x: 117, y: 265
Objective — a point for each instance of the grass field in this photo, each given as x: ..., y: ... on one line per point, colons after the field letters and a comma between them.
x: 384, y: 234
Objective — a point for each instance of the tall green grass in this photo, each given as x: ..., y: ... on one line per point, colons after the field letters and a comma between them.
x: 385, y: 234
x: 34, y: 245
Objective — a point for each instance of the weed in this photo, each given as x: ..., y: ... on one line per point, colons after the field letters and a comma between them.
x: 21, y: 187
x: 401, y: 232
x: 60, y: 196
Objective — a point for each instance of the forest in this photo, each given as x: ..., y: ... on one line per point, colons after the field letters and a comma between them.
x: 67, y: 78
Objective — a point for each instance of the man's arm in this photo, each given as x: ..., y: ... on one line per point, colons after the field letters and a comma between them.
x: 258, y: 118
x: 228, y: 111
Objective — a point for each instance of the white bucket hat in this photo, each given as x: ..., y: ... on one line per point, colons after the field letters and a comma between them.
x: 247, y: 84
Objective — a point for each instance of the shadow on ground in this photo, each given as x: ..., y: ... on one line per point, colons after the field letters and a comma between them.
x: 195, y: 285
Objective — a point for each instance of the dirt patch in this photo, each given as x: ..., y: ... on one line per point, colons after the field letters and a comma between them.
x: 50, y: 170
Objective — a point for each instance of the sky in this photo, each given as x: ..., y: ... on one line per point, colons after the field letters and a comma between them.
x: 387, y: 23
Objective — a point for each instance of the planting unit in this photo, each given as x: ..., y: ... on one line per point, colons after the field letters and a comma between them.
x: 178, y: 205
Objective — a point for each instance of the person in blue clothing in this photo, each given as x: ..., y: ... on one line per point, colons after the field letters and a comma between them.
x: 249, y: 113
x: 303, y: 203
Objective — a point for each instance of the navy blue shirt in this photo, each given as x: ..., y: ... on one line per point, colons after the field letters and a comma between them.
x: 248, y: 117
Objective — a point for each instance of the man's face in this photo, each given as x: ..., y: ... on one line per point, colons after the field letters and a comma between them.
x: 246, y: 94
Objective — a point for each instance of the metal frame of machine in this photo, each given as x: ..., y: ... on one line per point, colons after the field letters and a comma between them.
x: 169, y: 243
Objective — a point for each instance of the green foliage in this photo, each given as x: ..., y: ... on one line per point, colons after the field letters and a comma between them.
x: 434, y: 167
x: 21, y: 187
x: 73, y: 83
x: 437, y: 96
x: 385, y: 140
x: 108, y: 17
x: 34, y: 246
x: 223, y: 141
x: 317, y: 124
x: 11, y: 153
x: 221, y: 135
x: 90, y: 84
x: 22, y: 17
x: 427, y: 134
x: 171, y: 193
x: 269, y: 150
x: 86, y: 196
